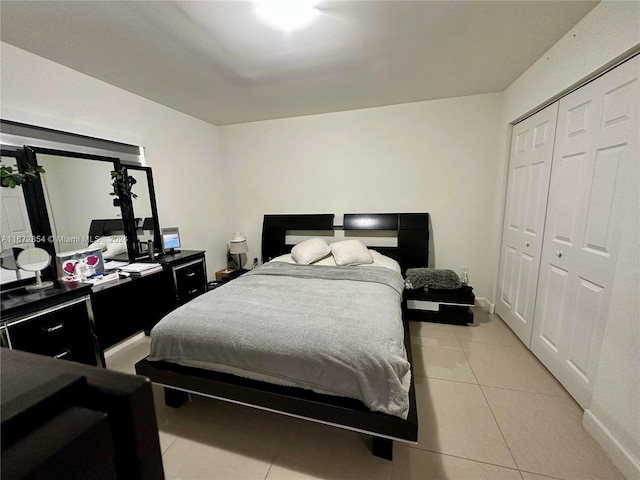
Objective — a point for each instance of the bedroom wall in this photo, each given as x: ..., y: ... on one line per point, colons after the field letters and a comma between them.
x: 183, y: 151
x: 609, y: 31
x: 437, y: 156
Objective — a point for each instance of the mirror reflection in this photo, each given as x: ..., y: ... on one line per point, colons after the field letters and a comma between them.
x: 76, y: 193
x: 15, y: 230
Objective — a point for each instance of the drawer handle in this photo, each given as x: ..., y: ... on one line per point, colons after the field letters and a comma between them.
x: 63, y: 353
x: 53, y: 329
x: 191, y: 292
x: 191, y: 275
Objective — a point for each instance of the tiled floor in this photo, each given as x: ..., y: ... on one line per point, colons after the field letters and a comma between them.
x: 487, y: 410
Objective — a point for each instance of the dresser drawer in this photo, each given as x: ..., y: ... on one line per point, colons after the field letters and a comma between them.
x: 190, y: 280
x: 63, y: 331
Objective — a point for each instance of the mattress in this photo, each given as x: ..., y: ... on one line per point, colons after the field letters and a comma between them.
x: 330, y: 329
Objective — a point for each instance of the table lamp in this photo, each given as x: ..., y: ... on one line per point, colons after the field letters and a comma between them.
x: 238, y: 246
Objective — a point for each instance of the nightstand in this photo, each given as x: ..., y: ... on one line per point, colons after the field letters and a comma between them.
x: 439, y: 306
x: 227, y: 275
x: 189, y: 274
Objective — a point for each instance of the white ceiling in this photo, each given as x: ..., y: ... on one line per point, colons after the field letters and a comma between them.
x: 213, y: 59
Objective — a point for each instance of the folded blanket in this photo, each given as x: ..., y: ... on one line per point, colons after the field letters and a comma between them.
x: 431, y: 278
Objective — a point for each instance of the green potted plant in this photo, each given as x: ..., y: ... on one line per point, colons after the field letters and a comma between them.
x: 11, y: 177
x: 122, y: 184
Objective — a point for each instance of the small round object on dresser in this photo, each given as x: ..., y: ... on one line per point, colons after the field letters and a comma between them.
x: 35, y: 260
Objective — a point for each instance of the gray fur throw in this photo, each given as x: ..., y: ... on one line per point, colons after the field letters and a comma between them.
x: 431, y: 278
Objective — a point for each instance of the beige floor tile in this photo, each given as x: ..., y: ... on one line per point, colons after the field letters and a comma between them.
x: 416, y: 464
x: 454, y: 418
x: 546, y: 436
x: 219, y: 440
x: 211, y: 457
x: 166, y: 440
x: 445, y: 362
x: 534, y: 476
x: 487, y: 328
x: 510, y: 367
x: 124, y: 360
x: 433, y: 330
x: 312, y: 451
x: 436, y: 342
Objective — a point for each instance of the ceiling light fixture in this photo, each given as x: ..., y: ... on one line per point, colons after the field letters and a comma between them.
x: 287, y: 15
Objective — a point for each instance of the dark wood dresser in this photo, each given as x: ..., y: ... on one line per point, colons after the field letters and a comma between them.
x: 79, y: 321
x: 56, y: 321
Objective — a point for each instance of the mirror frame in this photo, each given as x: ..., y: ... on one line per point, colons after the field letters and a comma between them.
x: 157, y: 239
x: 37, y: 207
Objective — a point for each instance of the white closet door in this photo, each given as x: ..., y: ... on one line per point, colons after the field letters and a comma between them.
x: 598, y: 131
x: 15, y: 228
x: 529, y: 169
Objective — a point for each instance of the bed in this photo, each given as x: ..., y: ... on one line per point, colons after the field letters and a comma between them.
x: 353, y: 401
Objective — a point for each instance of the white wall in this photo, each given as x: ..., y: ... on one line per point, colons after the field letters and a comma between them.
x: 606, y: 33
x: 183, y: 151
x: 437, y: 156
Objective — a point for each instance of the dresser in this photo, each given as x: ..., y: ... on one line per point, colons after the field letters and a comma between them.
x: 79, y: 321
x: 56, y: 321
x: 129, y: 305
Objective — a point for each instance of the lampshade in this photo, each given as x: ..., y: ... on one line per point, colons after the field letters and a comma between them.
x: 238, y: 244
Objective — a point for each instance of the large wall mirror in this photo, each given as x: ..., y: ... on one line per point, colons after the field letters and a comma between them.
x: 71, y: 207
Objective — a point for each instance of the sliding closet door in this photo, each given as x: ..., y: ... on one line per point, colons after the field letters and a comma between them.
x: 529, y: 169
x: 598, y: 132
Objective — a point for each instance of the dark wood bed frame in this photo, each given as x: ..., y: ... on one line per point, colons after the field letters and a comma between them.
x: 412, y: 230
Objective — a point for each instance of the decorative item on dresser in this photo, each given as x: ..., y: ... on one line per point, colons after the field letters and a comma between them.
x: 412, y: 233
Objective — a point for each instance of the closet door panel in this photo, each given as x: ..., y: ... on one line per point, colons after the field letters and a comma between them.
x: 597, y: 136
x: 554, y: 289
x: 529, y: 169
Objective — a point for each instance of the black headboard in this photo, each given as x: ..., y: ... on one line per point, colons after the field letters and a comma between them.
x: 412, y: 233
x: 102, y: 228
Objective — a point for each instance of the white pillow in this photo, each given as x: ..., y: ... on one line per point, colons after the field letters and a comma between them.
x: 310, y: 251
x: 380, y: 260
x: 111, y: 245
x: 351, y: 252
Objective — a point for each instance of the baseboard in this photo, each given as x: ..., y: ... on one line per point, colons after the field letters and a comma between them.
x: 485, y: 304
x: 619, y: 455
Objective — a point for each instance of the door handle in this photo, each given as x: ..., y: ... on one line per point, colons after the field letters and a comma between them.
x: 527, y: 243
x: 558, y: 253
